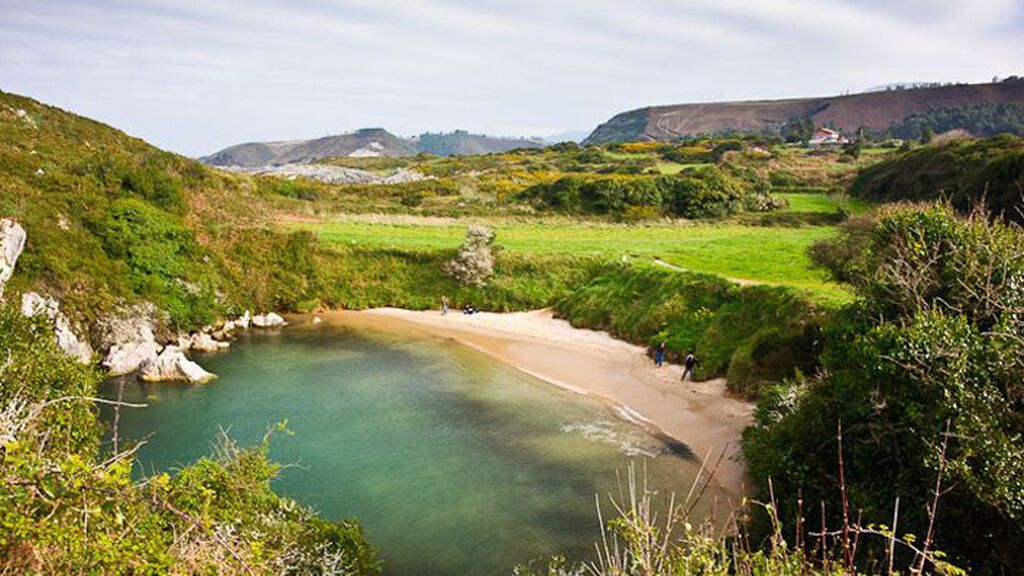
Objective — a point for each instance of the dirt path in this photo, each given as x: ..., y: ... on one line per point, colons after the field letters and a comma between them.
x: 671, y: 266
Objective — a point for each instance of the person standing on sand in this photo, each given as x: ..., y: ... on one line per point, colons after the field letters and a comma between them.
x: 659, y: 354
x: 688, y: 364
x: 444, y: 305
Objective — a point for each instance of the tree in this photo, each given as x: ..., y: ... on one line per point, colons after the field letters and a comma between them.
x: 927, y: 135
x: 474, y: 264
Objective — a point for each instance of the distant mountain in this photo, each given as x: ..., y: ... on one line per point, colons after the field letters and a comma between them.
x: 874, y: 110
x: 567, y: 136
x: 462, y: 142
x: 366, y: 142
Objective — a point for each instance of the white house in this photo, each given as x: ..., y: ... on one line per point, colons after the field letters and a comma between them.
x: 823, y: 137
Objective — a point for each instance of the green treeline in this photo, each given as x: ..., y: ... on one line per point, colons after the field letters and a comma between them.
x: 966, y: 172
x: 707, y: 192
x: 978, y: 119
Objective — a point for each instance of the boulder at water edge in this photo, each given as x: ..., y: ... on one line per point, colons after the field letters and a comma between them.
x: 201, y: 342
x: 243, y: 320
x: 270, y: 320
x: 130, y: 356
x: 172, y: 365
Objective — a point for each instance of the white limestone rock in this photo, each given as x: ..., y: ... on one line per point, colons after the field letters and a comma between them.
x: 33, y: 304
x: 128, y: 357
x: 244, y: 320
x: 171, y: 365
x: 271, y: 320
x: 129, y: 336
x: 12, y: 243
x: 203, y: 342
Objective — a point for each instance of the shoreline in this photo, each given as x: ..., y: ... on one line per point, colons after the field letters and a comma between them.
x: 698, y: 415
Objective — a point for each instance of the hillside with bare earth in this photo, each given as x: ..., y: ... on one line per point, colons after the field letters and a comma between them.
x: 873, y: 110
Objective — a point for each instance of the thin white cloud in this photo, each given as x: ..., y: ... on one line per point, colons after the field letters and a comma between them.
x: 194, y: 76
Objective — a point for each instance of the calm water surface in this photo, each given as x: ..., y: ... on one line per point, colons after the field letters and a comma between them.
x: 455, y: 464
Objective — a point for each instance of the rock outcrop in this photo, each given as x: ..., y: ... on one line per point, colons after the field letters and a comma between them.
x: 12, y: 242
x: 333, y: 174
x: 33, y: 304
x: 271, y: 320
x: 172, y: 365
x: 130, y: 338
x: 244, y: 320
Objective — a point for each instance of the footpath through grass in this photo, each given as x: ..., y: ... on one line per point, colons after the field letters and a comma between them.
x: 756, y: 254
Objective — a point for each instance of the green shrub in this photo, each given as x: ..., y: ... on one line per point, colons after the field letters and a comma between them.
x: 701, y: 194
x: 933, y: 346
x: 153, y: 180
x: 165, y: 262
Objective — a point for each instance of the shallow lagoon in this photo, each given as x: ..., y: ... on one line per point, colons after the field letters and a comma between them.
x: 455, y: 464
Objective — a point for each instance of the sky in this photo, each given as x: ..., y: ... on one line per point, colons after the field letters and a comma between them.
x: 196, y: 76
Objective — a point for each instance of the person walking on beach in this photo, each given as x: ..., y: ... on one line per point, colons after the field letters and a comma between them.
x: 444, y: 305
x: 659, y: 354
x: 688, y: 364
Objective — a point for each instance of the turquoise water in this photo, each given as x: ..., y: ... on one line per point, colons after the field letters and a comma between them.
x: 455, y: 464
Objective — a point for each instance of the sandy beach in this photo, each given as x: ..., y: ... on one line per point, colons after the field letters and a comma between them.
x: 697, y: 414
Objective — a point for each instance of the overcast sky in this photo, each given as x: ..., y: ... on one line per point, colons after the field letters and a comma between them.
x: 195, y: 76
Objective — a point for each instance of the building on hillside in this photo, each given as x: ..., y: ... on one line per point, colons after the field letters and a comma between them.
x: 825, y: 138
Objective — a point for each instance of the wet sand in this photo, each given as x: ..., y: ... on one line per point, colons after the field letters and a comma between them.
x: 697, y: 414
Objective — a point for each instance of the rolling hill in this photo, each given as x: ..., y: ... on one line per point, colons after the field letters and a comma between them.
x: 367, y: 142
x: 874, y: 110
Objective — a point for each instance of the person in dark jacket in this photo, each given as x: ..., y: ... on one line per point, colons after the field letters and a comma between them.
x: 689, y: 363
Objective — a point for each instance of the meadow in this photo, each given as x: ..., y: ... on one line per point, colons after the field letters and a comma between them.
x: 746, y: 254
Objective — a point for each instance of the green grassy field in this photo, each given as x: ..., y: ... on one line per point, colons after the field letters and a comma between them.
x: 748, y: 253
x: 820, y: 203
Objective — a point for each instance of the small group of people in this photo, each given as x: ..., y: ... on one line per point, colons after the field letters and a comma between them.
x: 689, y: 363
x: 466, y: 308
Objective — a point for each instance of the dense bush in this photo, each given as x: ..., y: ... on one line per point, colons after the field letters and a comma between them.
x: 700, y: 193
x: 967, y: 172
x: 165, y: 263
x: 931, y: 355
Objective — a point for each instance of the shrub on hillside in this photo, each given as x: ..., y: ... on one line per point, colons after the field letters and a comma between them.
x: 933, y: 350
x: 164, y: 262
x: 965, y: 172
